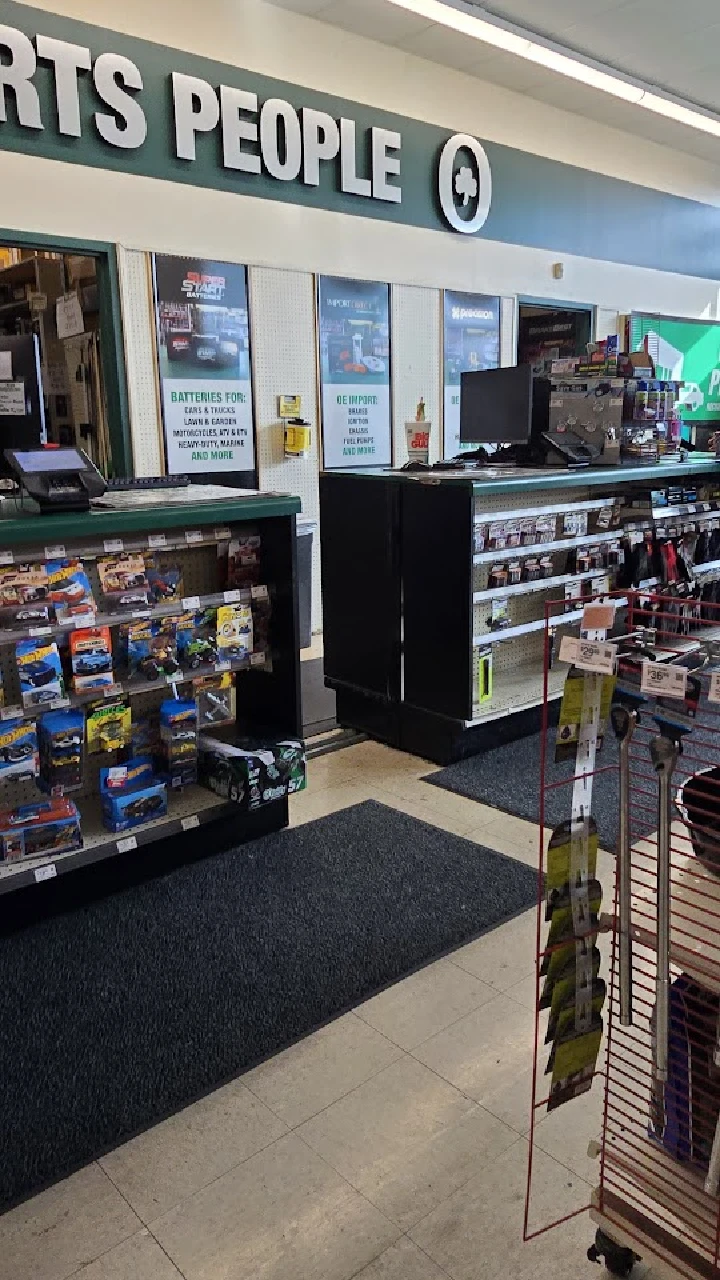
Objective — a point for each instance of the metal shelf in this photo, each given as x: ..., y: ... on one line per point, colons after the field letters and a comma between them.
x: 526, y: 629
x: 79, y: 550
x: 556, y: 508
x: 518, y: 690
x: 542, y: 584
x: 543, y: 548
x: 187, y: 809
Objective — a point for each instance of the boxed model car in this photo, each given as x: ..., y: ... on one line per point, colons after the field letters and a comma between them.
x: 70, y: 590
x: 18, y: 749
x: 61, y: 738
x: 40, y: 671
x: 23, y: 586
x: 177, y: 761
x: 131, y: 795
x: 124, y: 581
x: 249, y: 772
x: 91, y: 652
x: 33, y: 830
x: 108, y: 725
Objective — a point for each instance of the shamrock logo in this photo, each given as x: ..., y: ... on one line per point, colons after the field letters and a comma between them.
x: 466, y: 185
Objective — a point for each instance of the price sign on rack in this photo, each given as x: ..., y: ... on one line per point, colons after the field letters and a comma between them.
x: 589, y: 655
x: 662, y: 680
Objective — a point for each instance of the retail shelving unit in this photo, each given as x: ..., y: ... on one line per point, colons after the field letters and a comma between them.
x: 194, y: 535
x: 407, y: 595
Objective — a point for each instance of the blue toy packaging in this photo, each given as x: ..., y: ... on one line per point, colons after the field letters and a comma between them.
x: 131, y: 795
x: 61, y: 736
x: 18, y: 749
x: 178, y: 742
x: 40, y: 671
x: 165, y: 580
x: 91, y: 650
x: 196, y: 636
x: 151, y: 649
x: 33, y: 830
x: 70, y: 590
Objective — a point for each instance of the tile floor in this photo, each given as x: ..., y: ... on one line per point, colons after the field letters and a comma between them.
x: 390, y: 1145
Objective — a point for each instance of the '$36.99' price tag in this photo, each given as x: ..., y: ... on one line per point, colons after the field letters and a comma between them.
x: 668, y: 681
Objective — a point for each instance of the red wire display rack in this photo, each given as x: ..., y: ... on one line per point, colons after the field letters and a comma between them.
x: 652, y: 1103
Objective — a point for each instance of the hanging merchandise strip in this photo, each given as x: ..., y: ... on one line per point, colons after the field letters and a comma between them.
x: 579, y: 844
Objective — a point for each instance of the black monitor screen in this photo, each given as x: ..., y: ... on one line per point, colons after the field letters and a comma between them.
x: 496, y: 406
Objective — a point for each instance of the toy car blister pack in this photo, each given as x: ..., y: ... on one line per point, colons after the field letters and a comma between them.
x: 124, y: 581
x: 178, y: 742
x: 91, y: 653
x: 249, y: 773
x: 244, y: 560
x: 24, y: 597
x: 61, y: 737
x: 215, y: 700
x: 40, y: 671
x: 234, y: 632
x: 197, y: 639
x: 151, y: 649
x: 70, y: 590
x: 165, y: 580
x: 34, y: 830
x: 108, y: 725
x: 18, y: 749
x: 131, y: 795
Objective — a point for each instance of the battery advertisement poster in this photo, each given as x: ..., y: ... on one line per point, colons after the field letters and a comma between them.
x: 683, y: 351
x: 354, y: 318
x: 203, y: 333
x: 472, y: 341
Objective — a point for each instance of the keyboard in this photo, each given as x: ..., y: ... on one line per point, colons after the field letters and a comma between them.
x: 121, y: 484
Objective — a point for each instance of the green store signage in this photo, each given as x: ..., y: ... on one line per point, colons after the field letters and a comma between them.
x: 75, y: 92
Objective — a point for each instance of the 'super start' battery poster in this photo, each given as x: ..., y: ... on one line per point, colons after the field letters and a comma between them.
x: 471, y: 342
x: 203, y: 338
x: 354, y: 320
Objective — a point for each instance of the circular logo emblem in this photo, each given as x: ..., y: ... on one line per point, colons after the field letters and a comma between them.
x: 465, y: 186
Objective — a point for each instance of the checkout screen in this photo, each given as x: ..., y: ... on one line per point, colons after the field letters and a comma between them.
x: 42, y: 461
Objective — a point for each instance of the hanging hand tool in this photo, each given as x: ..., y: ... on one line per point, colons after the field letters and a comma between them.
x: 624, y: 720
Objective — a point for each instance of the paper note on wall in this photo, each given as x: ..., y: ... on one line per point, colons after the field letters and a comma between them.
x: 12, y: 399
x: 5, y: 366
x: 69, y: 316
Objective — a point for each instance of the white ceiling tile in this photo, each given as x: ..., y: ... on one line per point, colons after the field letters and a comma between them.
x: 441, y: 44
x: 376, y: 19
x: 310, y: 7
x: 550, y: 17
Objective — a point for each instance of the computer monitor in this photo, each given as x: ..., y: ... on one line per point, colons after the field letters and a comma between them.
x: 22, y: 408
x: 496, y: 406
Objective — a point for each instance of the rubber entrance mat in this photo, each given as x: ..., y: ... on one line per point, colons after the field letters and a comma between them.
x: 121, y: 1011
x: 508, y: 777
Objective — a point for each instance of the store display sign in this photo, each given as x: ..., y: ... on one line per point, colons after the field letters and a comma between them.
x: 201, y: 311
x: 683, y: 351
x: 12, y: 399
x: 472, y: 341
x: 354, y: 318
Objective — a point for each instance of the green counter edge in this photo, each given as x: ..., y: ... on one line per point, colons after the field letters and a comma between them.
x: 546, y: 479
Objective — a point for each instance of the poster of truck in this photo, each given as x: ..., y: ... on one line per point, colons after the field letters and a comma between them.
x: 685, y: 351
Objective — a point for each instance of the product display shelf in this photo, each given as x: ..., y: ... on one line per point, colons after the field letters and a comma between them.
x: 267, y: 681
x: 408, y: 606
x: 515, y: 689
x: 188, y: 809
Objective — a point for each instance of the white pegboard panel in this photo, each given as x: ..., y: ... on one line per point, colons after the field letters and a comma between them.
x: 416, y: 371
x: 284, y: 357
x: 508, y: 332
x: 142, y: 375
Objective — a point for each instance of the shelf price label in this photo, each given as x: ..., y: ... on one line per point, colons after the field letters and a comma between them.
x: 232, y: 597
x: 193, y: 535
x: 222, y: 535
x: 191, y: 602
x: 6, y: 557
x: 589, y: 655
x: 11, y: 713
x: 113, y: 544
x: 45, y: 873
x: 127, y: 845
x: 189, y: 824
x: 659, y: 679
x: 55, y: 553
x: 714, y: 694
x: 156, y: 540
x: 40, y: 631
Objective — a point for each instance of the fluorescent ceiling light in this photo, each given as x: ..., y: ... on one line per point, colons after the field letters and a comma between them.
x: 458, y: 17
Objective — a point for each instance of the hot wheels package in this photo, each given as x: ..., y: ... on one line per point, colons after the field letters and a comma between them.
x: 152, y: 651
x: 40, y: 671
x: 234, y: 631
x: 70, y: 590
x: 18, y: 749
x: 215, y: 700
x: 165, y: 580
x: 50, y: 826
x: 244, y: 560
x: 131, y: 795
x: 177, y: 762
x: 24, y: 599
x: 124, y: 581
x: 196, y: 635
x: 61, y: 736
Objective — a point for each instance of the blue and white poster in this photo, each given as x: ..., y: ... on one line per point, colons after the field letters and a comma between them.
x: 472, y: 341
x: 354, y: 319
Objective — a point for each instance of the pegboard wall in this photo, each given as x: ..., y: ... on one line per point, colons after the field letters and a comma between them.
x: 416, y: 364
x: 282, y: 317
x: 139, y: 336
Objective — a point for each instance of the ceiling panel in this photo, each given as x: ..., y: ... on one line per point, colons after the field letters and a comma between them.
x: 551, y: 17
x: 441, y: 44
x: 374, y: 19
x: 301, y: 6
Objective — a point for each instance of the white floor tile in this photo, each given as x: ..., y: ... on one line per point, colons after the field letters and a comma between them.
x: 169, y: 1162
x: 423, y: 1004
x: 402, y: 1261
x: 62, y: 1229
x: 406, y: 1139
x: 504, y: 956
x: 488, y: 1056
x: 311, y: 1075
x: 139, y: 1258
x: 514, y: 836
x: 284, y: 1213
x: 477, y: 1233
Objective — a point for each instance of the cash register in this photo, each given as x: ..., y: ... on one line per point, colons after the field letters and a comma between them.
x: 57, y: 479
